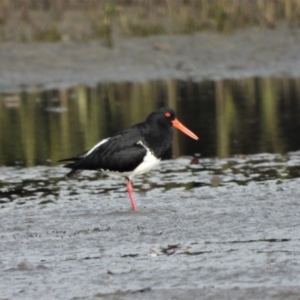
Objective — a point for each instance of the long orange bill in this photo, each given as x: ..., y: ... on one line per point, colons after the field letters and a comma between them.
x: 181, y: 127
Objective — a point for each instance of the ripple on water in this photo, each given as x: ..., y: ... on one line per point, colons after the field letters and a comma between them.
x: 48, y: 184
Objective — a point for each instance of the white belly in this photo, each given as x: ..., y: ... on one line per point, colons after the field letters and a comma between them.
x: 147, y: 164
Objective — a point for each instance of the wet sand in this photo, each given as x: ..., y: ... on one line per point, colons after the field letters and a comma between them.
x: 78, y: 239
x: 244, y: 53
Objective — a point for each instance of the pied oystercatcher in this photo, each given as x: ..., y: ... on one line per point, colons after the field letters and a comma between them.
x: 131, y: 152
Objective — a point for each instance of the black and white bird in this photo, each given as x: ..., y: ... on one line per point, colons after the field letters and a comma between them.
x: 131, y: 152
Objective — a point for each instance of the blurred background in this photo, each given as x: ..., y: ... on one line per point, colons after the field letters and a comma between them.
x: 77, y: 20
x: 251, y: 114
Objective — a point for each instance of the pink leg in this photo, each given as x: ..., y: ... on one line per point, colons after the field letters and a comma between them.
x: 130, y: 193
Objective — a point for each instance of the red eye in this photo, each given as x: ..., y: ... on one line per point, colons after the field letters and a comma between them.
x: 167, y: 114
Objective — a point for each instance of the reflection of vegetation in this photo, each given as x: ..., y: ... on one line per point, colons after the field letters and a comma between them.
x: 242, y: 116
x: 90, y: 19
x: 270, y: 131
x: 225, y: 118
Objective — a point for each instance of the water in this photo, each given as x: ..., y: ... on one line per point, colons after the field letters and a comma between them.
x: 223, y: 225
x: 231, y: 117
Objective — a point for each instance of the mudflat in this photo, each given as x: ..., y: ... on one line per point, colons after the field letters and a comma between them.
x: 196, y: 235
x: 207, y: 55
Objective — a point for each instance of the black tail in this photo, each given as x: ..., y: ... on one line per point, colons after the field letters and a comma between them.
x: 71, y: 164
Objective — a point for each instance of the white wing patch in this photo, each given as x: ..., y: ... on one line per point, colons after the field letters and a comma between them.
x: 148, y: 163
x: 96, y: 146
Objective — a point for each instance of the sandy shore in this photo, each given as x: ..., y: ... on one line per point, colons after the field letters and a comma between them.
x: 244, y: 53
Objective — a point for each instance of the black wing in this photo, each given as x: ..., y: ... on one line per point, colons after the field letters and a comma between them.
x: 121, y: 153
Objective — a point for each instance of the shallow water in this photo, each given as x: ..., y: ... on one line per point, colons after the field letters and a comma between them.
x: 216, y: 228
x: 246, y: 116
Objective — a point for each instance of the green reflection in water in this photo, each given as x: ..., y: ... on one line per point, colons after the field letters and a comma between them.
x: 231, y: 117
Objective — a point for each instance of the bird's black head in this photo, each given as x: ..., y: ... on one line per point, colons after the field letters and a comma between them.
x: 158, y: 132
x: 163, y: 115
